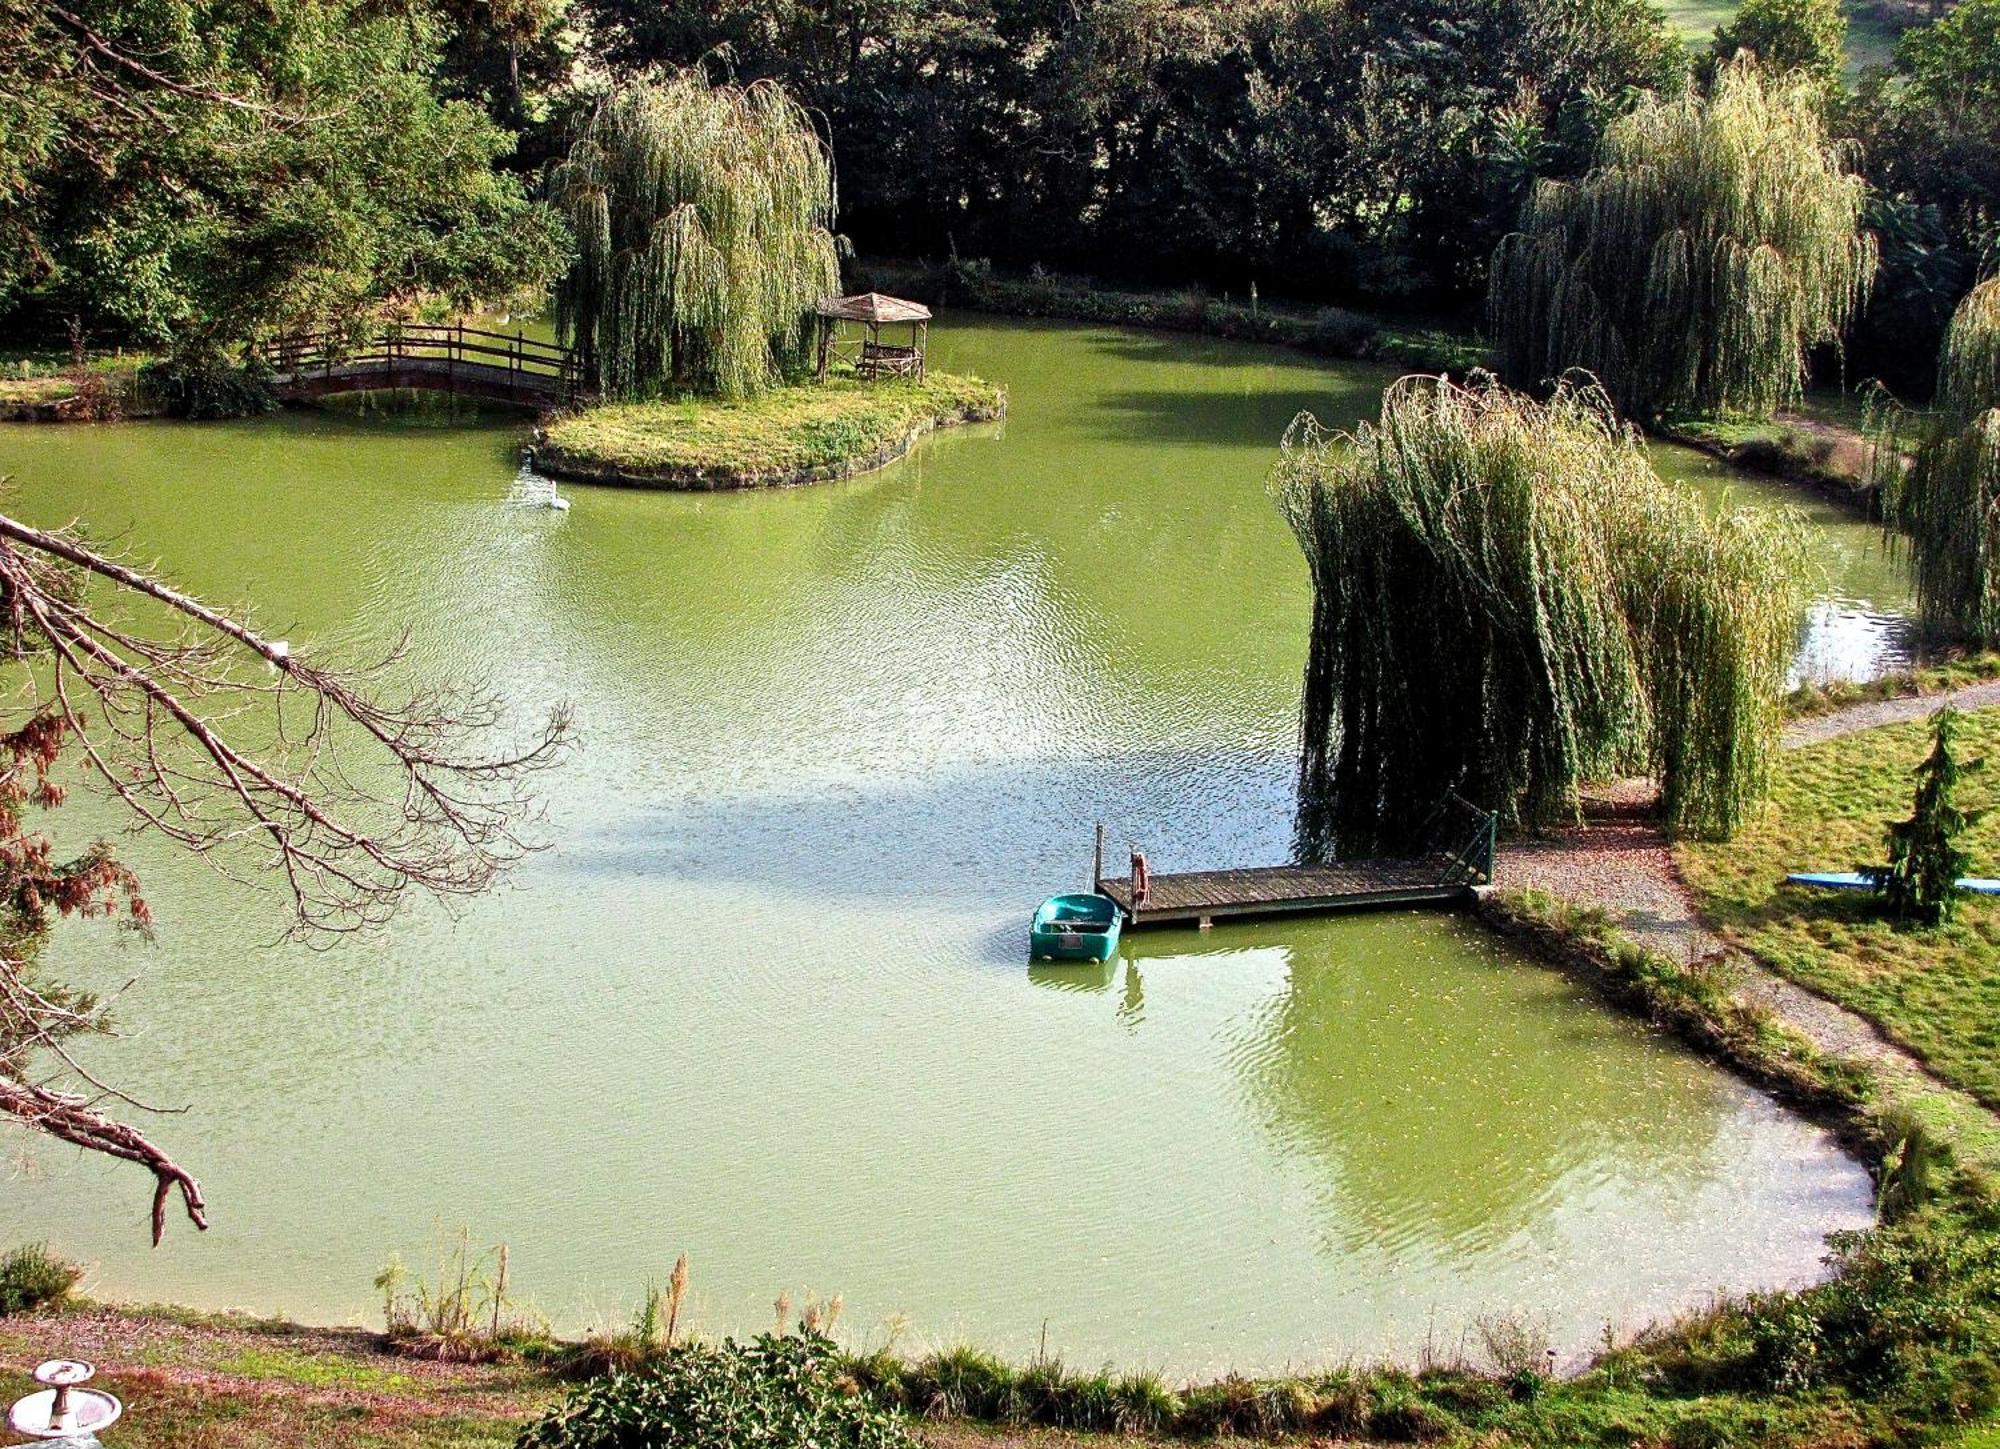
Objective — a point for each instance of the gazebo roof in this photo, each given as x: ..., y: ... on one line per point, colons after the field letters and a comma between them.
x: 874, y: 307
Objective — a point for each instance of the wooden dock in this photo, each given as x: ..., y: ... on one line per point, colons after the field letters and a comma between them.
x: 1463, y: 846
x: 1203, y: 896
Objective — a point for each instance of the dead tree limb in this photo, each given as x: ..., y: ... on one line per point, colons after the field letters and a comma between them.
x: 260, y: 760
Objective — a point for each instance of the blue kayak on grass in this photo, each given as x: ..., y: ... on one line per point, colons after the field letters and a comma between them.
x: 1855, y: 880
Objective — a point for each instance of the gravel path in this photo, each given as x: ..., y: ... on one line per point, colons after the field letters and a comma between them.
x: 1810, y: 731
x: 1620, y: 861
x: 1627, y: 868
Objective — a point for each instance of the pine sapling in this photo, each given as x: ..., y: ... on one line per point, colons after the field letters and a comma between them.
x: 1920, y: 884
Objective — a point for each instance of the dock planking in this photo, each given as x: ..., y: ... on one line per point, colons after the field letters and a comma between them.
x: 1210, y: 895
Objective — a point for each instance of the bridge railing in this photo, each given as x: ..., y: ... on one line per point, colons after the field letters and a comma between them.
x: 527, y: 360
x: 1468, y: 839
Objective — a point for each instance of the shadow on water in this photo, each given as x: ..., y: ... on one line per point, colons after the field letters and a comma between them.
x: 968, y: 837
x: 1256, y: 420
x: 1175, y: 348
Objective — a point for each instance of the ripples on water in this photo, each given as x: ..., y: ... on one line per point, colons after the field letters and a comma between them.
x: 763, y: 999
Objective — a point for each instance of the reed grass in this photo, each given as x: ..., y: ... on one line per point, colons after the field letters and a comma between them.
x: 462, y: 1312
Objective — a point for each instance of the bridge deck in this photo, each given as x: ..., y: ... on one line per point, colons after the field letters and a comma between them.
x: 433, y: 374
x: 443, y: 358
x: 1275, y: 890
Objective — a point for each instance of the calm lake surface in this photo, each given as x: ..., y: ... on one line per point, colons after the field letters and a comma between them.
x: 764, y: 999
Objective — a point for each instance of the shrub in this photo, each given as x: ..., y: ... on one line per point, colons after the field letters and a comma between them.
x: 206, y: 388
x: 1229, y: 1407
x: 1340, y: 333
x: 1401, y: 1416
x: 883, y: 1377
x: 1910, y: 1171
x: 1911, y: 1312
x: 32, y: 1277
x: 1143, y: 1404
x: 1247, y: 1408
x: 778, y: 1391
x: 1049, y: 1396
x: 962, y: 1383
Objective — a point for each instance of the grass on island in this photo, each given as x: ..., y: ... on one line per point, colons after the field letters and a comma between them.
x: 1936, y: 991
x: 787, y: 430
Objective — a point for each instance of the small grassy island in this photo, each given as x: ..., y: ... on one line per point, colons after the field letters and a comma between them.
x: 803, y: 433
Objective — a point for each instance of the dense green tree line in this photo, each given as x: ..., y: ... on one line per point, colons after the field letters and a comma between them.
x: 1311, y: 145
x: 1339, y: 148
x: 207, y: 168
x: 1930, y: 132
x: 196, y: 171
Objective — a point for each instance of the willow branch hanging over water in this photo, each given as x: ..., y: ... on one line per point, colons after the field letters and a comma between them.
x: 703, y: 223
x: 1946, y: 497
x: 1717, y: 240
x: 1507, y: 601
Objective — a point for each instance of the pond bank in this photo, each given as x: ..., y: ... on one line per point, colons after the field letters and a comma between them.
x: 1328, y: 331
x: 42, y: 391
x: 1827, y: 457
x: 808, y: 433
x: 1621, y: 866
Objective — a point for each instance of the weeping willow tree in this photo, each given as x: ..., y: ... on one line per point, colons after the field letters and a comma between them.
x: 1717, y: 239
x: 1507, y: 601
x: 1946, y: 498
x: 702, y: 218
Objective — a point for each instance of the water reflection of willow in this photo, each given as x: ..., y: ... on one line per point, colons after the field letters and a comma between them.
x: 1448, y: 1097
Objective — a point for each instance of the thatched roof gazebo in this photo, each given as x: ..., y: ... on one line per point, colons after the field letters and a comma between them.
x: 871, y: 356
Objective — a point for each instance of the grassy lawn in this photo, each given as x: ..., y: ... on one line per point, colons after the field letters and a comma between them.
x: 1935, y: 991
x: 787, y: 430
x: 1870, y: 39
x: 229, y: 1382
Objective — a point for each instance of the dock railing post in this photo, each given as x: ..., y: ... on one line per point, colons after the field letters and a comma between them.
x: 1097, y: 861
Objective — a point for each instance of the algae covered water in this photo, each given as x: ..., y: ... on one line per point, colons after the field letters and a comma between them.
x: 763, y: 998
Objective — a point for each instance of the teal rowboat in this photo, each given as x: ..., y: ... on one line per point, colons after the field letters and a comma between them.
x: 1078, y: 927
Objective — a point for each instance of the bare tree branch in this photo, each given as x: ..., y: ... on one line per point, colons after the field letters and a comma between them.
x: 71, y: 1118
x: 260, y: 761
x: 353, y: 798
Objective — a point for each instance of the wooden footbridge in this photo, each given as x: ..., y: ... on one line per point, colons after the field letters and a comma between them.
x: 490, y: 366
x: 1460, y: 857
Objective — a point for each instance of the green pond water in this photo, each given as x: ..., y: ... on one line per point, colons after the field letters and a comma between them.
x: 764, y: 999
